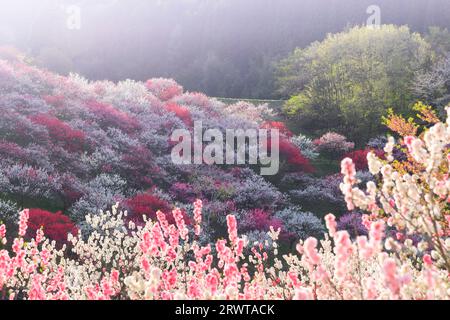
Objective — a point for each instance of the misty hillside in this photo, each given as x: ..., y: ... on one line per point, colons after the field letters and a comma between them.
x: 222, y: 48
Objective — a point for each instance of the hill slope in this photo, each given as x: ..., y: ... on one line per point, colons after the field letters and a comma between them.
x: 77, y: 146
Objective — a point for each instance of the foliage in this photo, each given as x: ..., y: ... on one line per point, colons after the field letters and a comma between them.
x: 416, y: 201
x: 439, y: 39
x: 345, y: 82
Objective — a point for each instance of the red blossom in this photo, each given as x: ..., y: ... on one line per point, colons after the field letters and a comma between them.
x: 278, y: 125
x: 56, y: 226
x: 12, y: 150
x: 259, y: 219
x: 181, y: 112
x: 71, y: 139
x: 108, y: 116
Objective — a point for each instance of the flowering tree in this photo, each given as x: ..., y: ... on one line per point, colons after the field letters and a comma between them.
x: 415, y: 203
x: 164, y: 261
x: 333, y: 145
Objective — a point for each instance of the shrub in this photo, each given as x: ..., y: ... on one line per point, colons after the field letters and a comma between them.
x: 196, y: 99
x: 333, y: 145
x: 98, y: 194
x: 306, y: 146
x: 138, y: 167
x: 56, y: 226
x: 183, y: 191
x: 181, y: 112
x: 110, y: 117
x: 260, y: 220
x: 145, y: 204
x: 27, y: 182
x: 164, y: 89
x: 299, y: 225
x: 249, y: 111
x: 9, y: 213
x: 290, y: 153
x: 60, y: 132
x: 359, y: 158
x: 253, y: 191
x: 320, y: 196
x: 352, y: 223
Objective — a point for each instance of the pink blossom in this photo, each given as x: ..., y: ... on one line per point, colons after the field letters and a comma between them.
x: 232, y: 228
x: 181, y: 225
x: 2, y: 231
x: 390, y: 276
x: 427, y: 260
x: 310, y: 248
x: 343, y: 250
x: 364, y: 247
x: 331, y: 224
x: 23, y: 222
x: 376, y: 232
x: 409, y: 141
x: 348, y: 170
x: 303, y: 294
x: 198, y: 216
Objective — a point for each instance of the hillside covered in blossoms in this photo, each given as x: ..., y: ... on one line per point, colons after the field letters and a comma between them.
x: 70, y: 147
x: 138, y: 187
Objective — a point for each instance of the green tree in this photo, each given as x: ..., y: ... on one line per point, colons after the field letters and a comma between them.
x: 439, y: 39
x: 348, y: 81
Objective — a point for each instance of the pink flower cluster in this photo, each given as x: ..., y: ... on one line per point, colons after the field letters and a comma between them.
x: 158, y: 261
